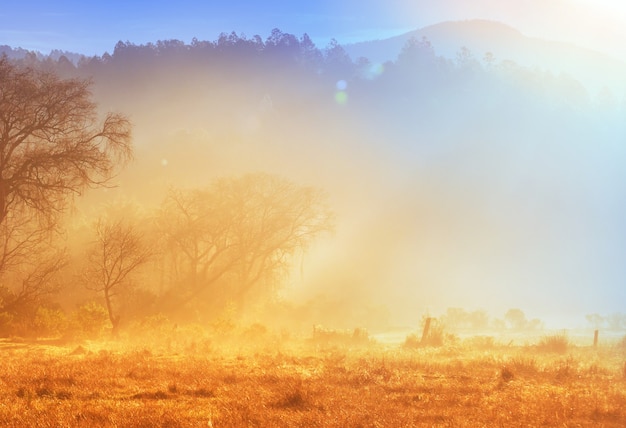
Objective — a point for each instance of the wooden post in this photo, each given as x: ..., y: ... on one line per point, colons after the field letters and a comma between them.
x: 595, y: 339
x: 425, y: 331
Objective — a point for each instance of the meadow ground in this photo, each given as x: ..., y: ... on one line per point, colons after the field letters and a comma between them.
x: 307, y: 383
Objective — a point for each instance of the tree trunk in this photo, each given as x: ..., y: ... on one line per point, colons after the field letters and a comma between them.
x: 115, y: 320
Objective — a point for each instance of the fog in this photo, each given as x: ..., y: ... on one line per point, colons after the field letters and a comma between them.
x: 454, y: 183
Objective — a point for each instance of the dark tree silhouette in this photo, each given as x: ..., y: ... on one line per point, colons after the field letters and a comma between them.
x: 516, y: 318
x: 337, y: 61
x: 52, y: 146
x: 417, y: 53
x: 116, y: 253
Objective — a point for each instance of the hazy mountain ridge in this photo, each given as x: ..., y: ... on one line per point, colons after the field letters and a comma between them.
x: 594, y: 69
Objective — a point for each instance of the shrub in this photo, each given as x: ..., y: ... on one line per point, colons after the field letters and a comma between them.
x: 358, y: 336
x: 412, y: 341
x: 558, y: 343
x: 49, y: 322
x: 436, y: 336
x: 157, y: 321
x: 519, y: 366
x: 6, y: 323
x: 481, y: 342
x: 506, y: 374
x: 90, y: 319
x: 294, y: 397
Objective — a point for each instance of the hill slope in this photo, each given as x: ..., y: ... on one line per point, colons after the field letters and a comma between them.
x: 594, y: 69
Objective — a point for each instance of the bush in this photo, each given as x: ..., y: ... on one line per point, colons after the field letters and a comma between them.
x: 436, y: 336
x: 558, y: 343
x: 90, y: 319
x: 412, y: 341
x: 519, y: 367
x: 323, y: 336
x: 480, y: 342
x: 49, y: 322
x: 6, y: 324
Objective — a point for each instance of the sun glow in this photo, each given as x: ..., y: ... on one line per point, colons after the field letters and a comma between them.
x: 604, y: 20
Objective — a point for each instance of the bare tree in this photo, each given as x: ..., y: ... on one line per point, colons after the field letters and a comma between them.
x: 116, y: 253
x: 52, y: 146
x: 274, y: 220
x: 226, y: 240
x: 51, y: 142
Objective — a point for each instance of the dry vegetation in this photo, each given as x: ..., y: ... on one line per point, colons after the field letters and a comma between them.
x: 340, y: 380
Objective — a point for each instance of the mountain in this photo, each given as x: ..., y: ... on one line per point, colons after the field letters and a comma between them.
x: 593, y: 69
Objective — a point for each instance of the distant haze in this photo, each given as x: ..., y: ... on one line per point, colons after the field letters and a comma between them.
x: 456, y: 181
x: 594, y: 69
x: 455, y: 185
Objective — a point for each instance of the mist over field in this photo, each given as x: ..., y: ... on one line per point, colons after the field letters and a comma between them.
x: 418, y: 223
x: 463, y: 181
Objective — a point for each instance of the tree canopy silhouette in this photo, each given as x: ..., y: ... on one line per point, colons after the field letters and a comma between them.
x: 238, y: 234
x: 51, y: 142
x: 52, y: 146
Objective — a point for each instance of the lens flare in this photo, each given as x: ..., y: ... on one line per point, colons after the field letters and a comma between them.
x: 341, y: 97
x: 375, y: 70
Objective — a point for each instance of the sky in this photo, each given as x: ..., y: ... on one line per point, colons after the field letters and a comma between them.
x: 92, y: 28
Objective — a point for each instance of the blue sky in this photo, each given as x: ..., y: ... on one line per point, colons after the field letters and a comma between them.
x: 95, y: 27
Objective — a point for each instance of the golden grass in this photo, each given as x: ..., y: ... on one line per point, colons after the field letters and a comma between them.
x: 305, y: 385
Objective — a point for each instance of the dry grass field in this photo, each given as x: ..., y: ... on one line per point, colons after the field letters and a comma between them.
x: 304, y: 383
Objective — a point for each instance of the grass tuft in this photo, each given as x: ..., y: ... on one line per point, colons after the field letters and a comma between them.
x: 294, y: 398
x: 557, y: 343
x: 156, y: 395
x: 202, y: 392
x: 526, y: 366
x: 506, y: 374
x: 44, y: 392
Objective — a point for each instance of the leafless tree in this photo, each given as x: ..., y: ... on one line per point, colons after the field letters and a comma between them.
x: 52, y: 146
x: 51, y: 142
x: 238, y: 233
x: 116, y: 253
